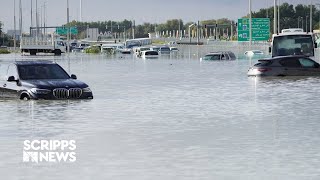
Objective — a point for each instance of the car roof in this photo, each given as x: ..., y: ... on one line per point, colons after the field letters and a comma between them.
x: 220, y: 52
x: 33, y: 62
x: 285, y: 57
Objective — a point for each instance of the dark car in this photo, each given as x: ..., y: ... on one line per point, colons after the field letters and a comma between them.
x: 285, y: 66
x: 40, y: 80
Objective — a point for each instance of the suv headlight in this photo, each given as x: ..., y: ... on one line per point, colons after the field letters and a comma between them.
x: 87, y: 89
x: 40, y: 91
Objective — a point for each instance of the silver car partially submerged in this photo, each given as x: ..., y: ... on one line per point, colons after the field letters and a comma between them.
x: 219, y: 55
x: 285, y: 66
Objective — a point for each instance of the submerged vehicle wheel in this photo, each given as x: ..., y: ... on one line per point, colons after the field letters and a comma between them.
x: 33, y: 52
x: 57, y: 52
x: 25, y: 97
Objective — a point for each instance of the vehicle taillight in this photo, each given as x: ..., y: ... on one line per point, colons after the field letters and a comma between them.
x: 264, y: 69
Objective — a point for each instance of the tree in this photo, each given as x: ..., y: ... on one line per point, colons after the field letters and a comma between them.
x: 290, y: 16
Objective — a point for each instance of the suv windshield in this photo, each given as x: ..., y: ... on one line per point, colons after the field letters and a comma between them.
x: 293, y: 45
x: 41, y: 71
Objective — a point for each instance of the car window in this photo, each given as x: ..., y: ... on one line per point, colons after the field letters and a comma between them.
x: 307, y: 62
x: 290, y: 62
x: 42, y: 71
x: 232, y: 55
x: 151, y: 53
x: 263, y: 63
x: 215, y: 57
x: 226, y: 56
x: 12, y: 71
x: 60, y: 43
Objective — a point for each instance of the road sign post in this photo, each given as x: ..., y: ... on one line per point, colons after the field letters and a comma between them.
x: 260, y: 29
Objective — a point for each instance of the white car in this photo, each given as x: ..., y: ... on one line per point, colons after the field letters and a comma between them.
x: 254, y: 53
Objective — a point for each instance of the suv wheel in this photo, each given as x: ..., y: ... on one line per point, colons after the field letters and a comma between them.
x: 25, y: 97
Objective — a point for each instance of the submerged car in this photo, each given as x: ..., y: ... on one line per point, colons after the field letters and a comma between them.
x: 223, y: 55
x: 285, y: 66
x: 149, y: 54
x: 40, y: 80
x: 254, y: 53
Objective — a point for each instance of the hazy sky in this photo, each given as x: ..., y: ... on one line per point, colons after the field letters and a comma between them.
x: 139, y: 10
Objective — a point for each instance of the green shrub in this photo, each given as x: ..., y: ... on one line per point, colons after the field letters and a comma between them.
x: 156, y: 41
x: 4, y: 51
x: 93, y: 50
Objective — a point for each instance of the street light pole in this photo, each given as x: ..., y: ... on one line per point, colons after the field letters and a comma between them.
x: 306, y: 23
x: 14, y: 24
x: 198, y: 33
x: 275, y: 17
x: 278, y: 16
x: 68, y: 28
x: 311, y: 16
x: 190, y: 31
x: 250, y: 24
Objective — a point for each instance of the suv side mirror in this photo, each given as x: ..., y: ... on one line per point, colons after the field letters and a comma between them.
x: 11, y: 79
x: 315, y: 45
x: 73, y: 76
x: 269, y: 49
x: 316, y: 65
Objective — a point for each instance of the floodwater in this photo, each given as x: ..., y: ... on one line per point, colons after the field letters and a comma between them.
x: 169, y: 118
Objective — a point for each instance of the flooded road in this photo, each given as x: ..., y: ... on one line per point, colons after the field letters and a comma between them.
x: 169, y: 118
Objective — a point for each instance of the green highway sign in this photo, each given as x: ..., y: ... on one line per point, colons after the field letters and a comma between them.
x: 260, y: 29
x: 64, y: 30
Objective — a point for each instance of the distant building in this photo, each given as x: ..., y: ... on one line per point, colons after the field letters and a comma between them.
x: 92, y: 34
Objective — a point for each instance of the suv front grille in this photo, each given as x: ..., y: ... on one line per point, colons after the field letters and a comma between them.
x: 62, y: 93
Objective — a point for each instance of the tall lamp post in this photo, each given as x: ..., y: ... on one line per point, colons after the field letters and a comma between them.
x: 278, y: 16
x: 190, y: 31
x: 319, y: 16
x: 250, y: 25
x: 14, y: 22
x: 275, y: 17
x: 311, y: 16
x: 306, y: 23
x: 68, y: 27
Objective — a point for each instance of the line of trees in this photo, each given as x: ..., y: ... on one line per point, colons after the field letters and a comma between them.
x: 290, y: 17
x: 141, y: 30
